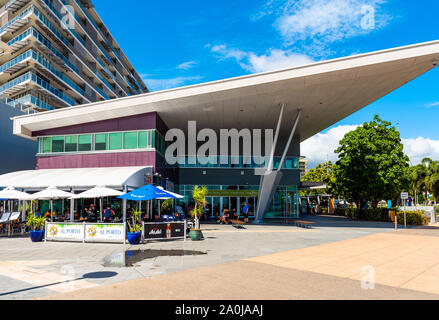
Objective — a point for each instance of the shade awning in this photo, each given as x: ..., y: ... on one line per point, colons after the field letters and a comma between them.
x: 79, y: 179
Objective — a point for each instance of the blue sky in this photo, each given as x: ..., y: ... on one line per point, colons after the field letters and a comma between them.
x: 174, y: 43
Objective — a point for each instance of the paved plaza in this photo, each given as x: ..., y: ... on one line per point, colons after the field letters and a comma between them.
x: 260, y: 262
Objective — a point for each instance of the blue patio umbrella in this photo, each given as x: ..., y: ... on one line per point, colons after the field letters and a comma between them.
x: 148, y: 192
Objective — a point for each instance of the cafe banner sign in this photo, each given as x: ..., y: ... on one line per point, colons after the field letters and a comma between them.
x: 164, y: 230
x: 85, y: 232
x: 104, y: 233
x: 66, y: 232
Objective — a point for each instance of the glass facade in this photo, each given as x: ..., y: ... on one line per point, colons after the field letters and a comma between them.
x: 285, y: 203
x: 98, y: 142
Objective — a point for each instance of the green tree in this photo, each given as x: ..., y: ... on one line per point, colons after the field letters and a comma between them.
x: 322, y: 173
x: 372, y: 165
x: 199, y: 195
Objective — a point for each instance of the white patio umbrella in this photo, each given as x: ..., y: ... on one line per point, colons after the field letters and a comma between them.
x: 98, y: 192
x: 11, y: 194
x: 52, y: 193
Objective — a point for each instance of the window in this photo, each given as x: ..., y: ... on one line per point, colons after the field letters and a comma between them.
x: 143, y: 139
x: 130, y: 140
x: 101, y: 141
x: 57, y: 144
x: 47, y: 145
x: 84, y: 142
x: 71, y: 144
x: 116, y: 141
x: 153, y: 139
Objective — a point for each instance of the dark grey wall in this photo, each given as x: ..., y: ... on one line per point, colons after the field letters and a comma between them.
x: 231, y: 177
x: 16, y: 153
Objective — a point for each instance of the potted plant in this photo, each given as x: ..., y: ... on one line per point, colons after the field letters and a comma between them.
x: 199, y: 195
x: 135, y: 228
x: 37, y: 225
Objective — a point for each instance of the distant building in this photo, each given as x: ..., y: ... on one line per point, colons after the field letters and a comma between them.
x: 303, y: 165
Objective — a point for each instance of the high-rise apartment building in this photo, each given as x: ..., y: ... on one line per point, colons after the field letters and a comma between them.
x: 58, y: 53
x: 303, y: 165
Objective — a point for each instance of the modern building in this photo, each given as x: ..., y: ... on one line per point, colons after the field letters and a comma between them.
x: 15, y: 153
x: 303, y: 165
x: 296, y: 103
x: 58, y: 53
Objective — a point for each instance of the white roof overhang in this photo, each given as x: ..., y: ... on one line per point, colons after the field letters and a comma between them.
x: 326, y: 92
x: 79, y: 179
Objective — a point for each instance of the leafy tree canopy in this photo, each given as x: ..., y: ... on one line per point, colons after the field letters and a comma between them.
x: 372, y: 165
x: 322, y: 173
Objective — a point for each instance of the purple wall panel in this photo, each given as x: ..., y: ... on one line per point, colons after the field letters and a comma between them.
x: 137, y: 122
x: 125, y: 159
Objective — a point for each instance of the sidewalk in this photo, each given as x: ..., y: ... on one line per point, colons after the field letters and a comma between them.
x: 406, y: 265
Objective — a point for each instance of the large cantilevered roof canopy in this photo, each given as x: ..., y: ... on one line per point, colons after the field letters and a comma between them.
x: 326, y: 92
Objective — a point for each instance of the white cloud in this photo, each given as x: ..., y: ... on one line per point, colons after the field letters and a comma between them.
x: 329, y: 21
x: 420, y: 148
x: 435, y: 104
x: 187, y: 65
x: 163, y: 84
x: 273, y: 60
x: 227, y: 53
x: 276, y: 59
x: 321, y: 147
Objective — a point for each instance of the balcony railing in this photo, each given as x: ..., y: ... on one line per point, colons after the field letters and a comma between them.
x: 20, y: 83
x: 30, y: 100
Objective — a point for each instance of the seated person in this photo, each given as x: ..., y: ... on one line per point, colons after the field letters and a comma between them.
x: 39, y: 214
x: 224, y: 219
x: 84, y: 215
x: 91, y: 215
x: 48, y: 215
x: 108, y: 214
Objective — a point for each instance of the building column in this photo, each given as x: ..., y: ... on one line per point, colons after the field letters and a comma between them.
x: 270, y: 181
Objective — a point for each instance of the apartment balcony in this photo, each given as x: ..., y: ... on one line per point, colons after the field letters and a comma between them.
x: 15, y: 86
x: 15, y: 24
x: 29, y: 79
x: 33, y: 102
x: 15, y: 5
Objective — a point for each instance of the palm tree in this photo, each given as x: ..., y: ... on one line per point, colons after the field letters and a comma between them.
x: 425, y: 178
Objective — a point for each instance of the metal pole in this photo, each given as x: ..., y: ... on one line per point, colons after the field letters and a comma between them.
x: 100, y: 203
x: 185, y: 230
x: 72, y: 208
x: 405, y: 215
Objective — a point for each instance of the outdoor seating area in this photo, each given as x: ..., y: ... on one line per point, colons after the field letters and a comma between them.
x: 114, y: 207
